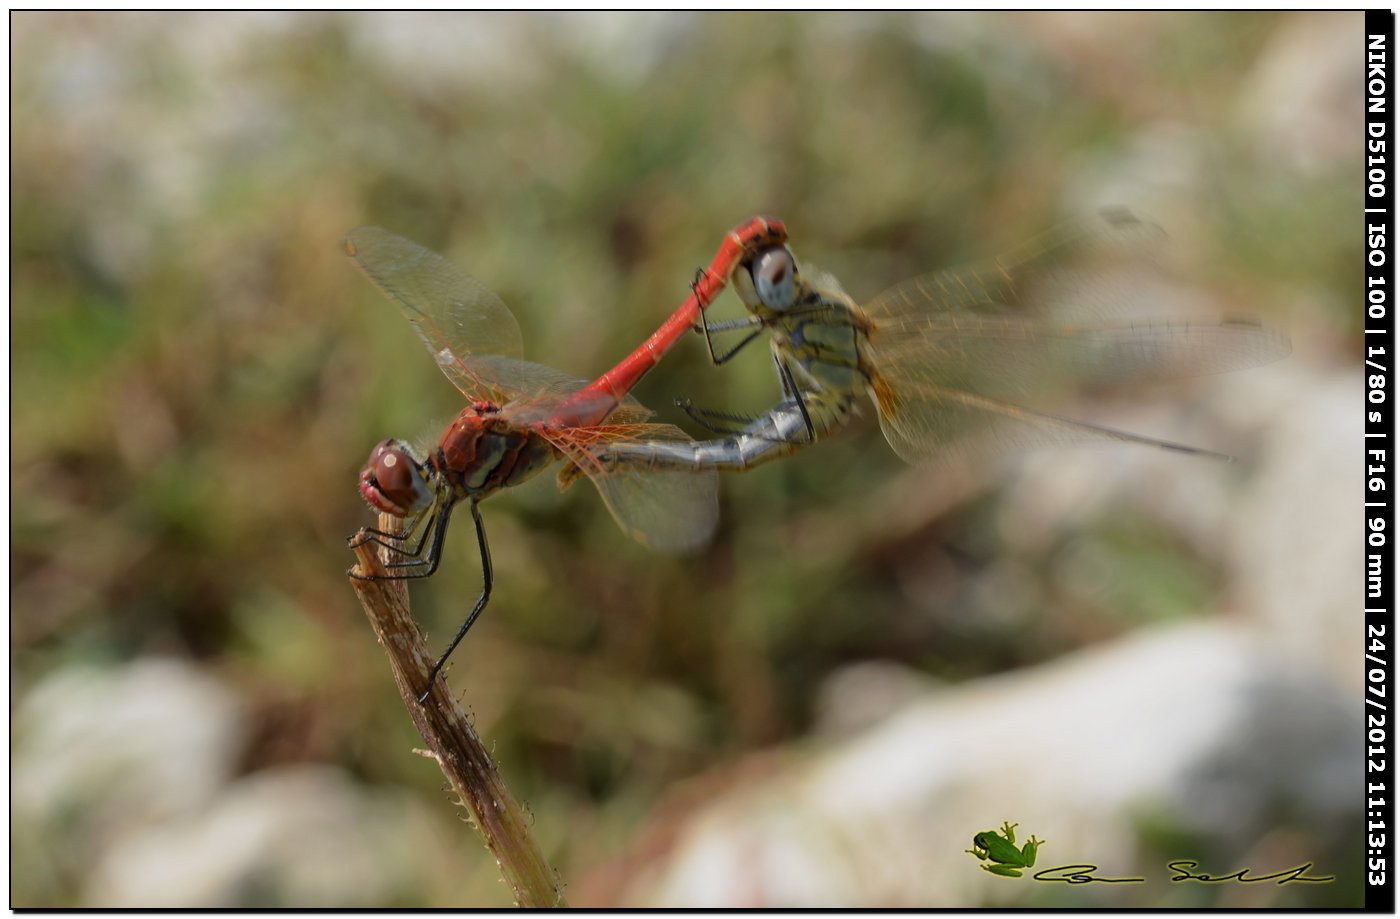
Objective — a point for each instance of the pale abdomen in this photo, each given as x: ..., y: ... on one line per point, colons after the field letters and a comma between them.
x: 778, y: 433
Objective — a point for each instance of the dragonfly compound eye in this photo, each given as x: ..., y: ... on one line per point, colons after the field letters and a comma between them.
x: 775, y: 277
x: 393, y: 481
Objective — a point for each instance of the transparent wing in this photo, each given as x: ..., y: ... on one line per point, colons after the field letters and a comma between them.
x: 536, y: 393
x: 929, y: 424
x: 956, y: 352
x: 665, y: 509
x: 457, y: 317
x: 1030, y: 271
x: 1022, y: 358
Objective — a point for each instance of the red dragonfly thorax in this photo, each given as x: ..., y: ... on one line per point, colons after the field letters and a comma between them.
x: 480, y: 452
x: 483, y: 451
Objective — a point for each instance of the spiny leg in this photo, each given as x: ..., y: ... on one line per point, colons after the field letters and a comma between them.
x: 706, y: 327
x: 791, y: 390
x: 735, y: 424
x: 715, y: 421
x: 476, y: 610
x: 756, y: 323
x: 388, y: 538
x: 429, y: 563
x: 394, y: 541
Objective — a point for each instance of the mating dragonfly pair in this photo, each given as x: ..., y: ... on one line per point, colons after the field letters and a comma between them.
x: 947, y: 358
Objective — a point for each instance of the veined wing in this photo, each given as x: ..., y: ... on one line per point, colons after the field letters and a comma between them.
x: 536, y: 392
x: 957, y: 351
x: 1025, y: 274
x: 457, y: 317
x: 927, y: 424
x: 671, y: 510
x: 1016, y: 358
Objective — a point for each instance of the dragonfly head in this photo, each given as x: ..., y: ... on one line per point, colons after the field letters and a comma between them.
x: 771, y: 279
x: 393, y: 482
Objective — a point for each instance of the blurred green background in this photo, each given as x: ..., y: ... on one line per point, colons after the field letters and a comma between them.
x: 198, y: 374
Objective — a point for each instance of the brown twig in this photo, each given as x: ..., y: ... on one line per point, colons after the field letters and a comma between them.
x: 455, y: 745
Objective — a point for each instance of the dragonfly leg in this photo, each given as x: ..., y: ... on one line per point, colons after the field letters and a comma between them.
x: 735, y: 425
x: 715, y: 421
x: 394, y: 541
x: 423, y: 564
x: 476, y: 609
x: 749, y: 322
x: 791, y: 390
x: 387, y: 538
x: 706, y: 327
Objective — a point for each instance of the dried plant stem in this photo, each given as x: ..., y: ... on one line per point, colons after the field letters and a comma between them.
x: 449, y: 735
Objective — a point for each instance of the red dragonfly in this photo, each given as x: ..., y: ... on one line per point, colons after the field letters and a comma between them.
x: 521, y: 417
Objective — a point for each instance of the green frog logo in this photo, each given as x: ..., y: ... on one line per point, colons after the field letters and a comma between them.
x: 1000, y: 849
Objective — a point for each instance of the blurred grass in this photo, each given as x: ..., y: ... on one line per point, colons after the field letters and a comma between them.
x: 198, y: 373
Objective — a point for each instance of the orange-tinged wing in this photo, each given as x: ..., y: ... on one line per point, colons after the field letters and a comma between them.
x: 536, y: 392
x: 665, y: 509
x: 458, y: 318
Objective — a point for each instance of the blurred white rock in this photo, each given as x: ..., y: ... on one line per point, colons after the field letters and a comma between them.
x: 303, y: 836
x: 1193, y: 722
x: 1297, y: 545
x: 1304, y: 99
x: 144, y: 742
x: 124, y: 783
x: 97, y: 750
